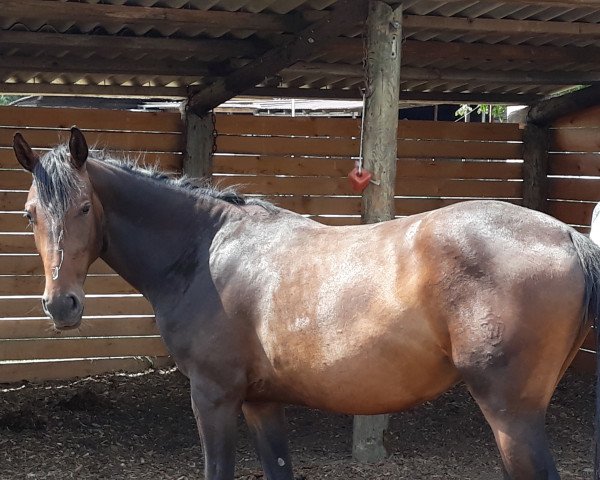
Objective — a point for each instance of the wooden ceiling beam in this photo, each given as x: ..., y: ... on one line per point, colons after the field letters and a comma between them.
x: 405, y: 96
x: 83, y: 43
x: 549, y: 110
x: 431, y: 23
x: 346, y: 14
x: 414, y: 51
x: 548, y: 3
x: 181, y: 92
x: 512, y: 77
x: 91, y: 66
x: 92, y: 90
x: 157, y: 17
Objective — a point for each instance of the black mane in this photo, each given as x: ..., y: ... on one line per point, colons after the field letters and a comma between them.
x: 57, y: 183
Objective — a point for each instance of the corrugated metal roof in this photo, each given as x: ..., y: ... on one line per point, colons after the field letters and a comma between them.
x: 158, y: 47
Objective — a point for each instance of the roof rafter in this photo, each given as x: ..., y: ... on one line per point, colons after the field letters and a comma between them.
x: 414, y: 23
x: 168, y: 18
x: 85, y: 43
x: 346, y: 13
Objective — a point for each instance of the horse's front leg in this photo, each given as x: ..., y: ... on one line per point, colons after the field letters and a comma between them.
x: 267, y: 425
x: 216, y: 417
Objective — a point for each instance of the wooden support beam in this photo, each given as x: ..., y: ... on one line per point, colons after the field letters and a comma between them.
x: 86, y: 44
x: 536, y: 142
x: 512, y: 77
x: 346, y: 14
x: 570, y: 4
x: 104, y: 66
x: 92, y: 90
x: 111, y: 16
x: 384, y: 38
x: 199, y: 141
x: 405, y: 96
x: 438, y: 24
x: 547, y: 111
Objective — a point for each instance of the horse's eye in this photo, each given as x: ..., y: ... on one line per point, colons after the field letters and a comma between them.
x: 86, y: 209
x: 28, y: 216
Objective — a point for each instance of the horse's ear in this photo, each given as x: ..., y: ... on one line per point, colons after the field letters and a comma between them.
x: 78, y: 148
x: 25, y: 155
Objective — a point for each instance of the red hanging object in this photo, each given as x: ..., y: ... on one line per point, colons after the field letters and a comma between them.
x: 359, y: 180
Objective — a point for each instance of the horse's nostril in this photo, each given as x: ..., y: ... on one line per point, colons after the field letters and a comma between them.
x: 45, y: 304
x: 74, y: 302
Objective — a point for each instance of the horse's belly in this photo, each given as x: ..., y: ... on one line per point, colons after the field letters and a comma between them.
x: 375, y: 375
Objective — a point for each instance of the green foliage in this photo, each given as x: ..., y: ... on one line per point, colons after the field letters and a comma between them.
x: 498, y: 111
x: 8, y: 99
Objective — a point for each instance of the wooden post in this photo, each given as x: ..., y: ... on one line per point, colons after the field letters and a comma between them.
x: 536, y: 142
x: 380, y: 140
x: 380, y: 137
x: 199, y: 140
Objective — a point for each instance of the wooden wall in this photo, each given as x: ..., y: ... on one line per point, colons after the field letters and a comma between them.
x: 574, y: 164
x: 119, y: 331
x: 299, y: 163
x: 574, y: 186
x: 302, y: 163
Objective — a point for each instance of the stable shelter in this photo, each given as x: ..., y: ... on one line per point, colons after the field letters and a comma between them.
x: 539, y: 53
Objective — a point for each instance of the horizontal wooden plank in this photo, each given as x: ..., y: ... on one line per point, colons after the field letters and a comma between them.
x: 340, y: 186
x: 90, y: 327
x: 584, y: 362
x: 575, y: 140
x: 574, y: 164
x: 584, y: 118
x: 584, y: 189
x: 34, y: 285
x: 12, y: 201
x: 336, y: 167
x: 152, y: 142
x: 71, y: 369
x: 32, y: 265
x: 81, y: 348
x: 167, y: 161
x: 323, y: 147
x: 347, y: 127
x: 32, y: 307
x: 13, y: 222
x: 17, y: 243
x: 90, y: 119
x: 15, y: 180
x: 572, y: 213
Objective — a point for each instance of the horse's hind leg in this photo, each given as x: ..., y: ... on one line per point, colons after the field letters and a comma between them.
x: 267, y: 425
x: 522, y: 441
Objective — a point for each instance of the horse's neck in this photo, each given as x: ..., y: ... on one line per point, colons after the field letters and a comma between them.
x: 156, y: 236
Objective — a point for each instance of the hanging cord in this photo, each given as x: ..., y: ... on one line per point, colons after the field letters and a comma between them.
x: 362, y: 134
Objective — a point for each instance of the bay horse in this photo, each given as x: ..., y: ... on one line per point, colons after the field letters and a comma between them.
x: 261, y: 307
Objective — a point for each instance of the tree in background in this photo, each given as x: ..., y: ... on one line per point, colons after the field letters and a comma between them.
x: 8, y: 99
x: 498, y: 111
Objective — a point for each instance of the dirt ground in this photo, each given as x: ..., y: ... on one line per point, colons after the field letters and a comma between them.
x: 141, y: 427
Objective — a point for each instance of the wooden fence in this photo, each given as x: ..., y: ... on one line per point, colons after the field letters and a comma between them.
x: 119, y: 332
x: 298, y: 163
x: 302, y: 163
x: 574, y: 186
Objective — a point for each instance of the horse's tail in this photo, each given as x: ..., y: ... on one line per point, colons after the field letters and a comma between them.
x: 589, y: 256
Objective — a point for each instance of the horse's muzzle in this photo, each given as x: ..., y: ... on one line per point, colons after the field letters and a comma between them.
x: 65, y: 310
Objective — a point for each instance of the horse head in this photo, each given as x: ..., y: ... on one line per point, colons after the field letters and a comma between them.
x: 67, y: 220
